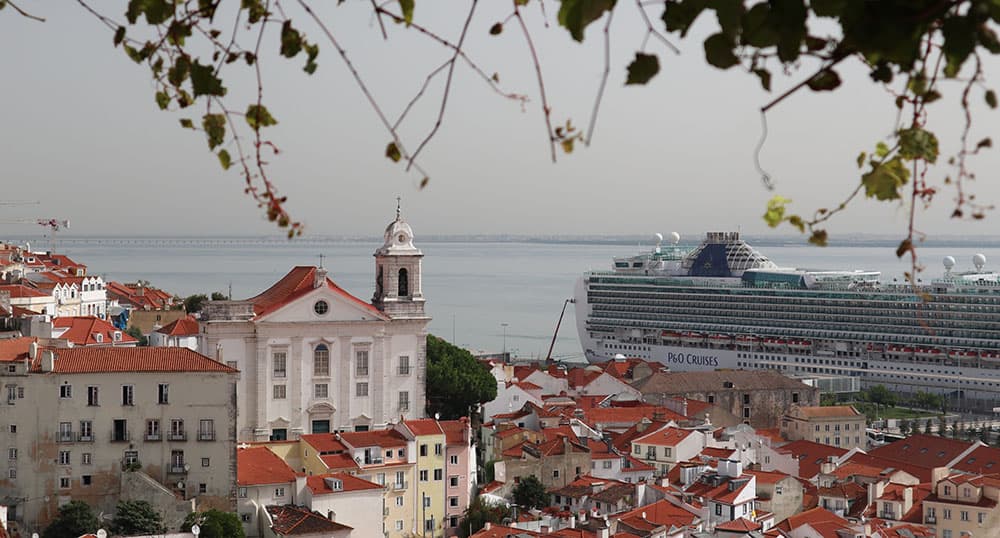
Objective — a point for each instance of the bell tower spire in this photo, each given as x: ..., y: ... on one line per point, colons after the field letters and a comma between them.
x: 398, y: 285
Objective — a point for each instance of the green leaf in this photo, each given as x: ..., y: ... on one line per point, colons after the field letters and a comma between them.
x: 406, y: 6
x: 959, y: 41
x: 679, y: 15
x: 642, y: 68
x: 496, y: 28
x: 215, y: 129
x: 775, y: 210
x: 861, y: 159
x: 312, y: 51
x: 991, y: 98
x: 882, y: 73
x: 765, y: 78
x: 162, y: 100
x: 828, y: 8
x: 791, y: 17
x: 258, y: 116
x: 291, y: 40
x: 730, y: 16
x: 759, y: 27
x: 917, y: 143
x: 255, y: 10
x: 179, y: 72
x: 392, y: 152
x: 187, y: 123
x: 824, y: 81
x: 885, y: 179
x: 119, y: 35
x: 881, y: 149
x: 224, y: 159
x: 576, y: 15
x: 796, y: 221
x: 719, y: 51
x: 818, y: 238
x: 204, y: 81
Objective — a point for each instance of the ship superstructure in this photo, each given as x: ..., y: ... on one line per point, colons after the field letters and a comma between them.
x: 723, y: 304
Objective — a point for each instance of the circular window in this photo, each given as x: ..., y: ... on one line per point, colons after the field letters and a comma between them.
x: 321, y: 307
x: 402, y: 238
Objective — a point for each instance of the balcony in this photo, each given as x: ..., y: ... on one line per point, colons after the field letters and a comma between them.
x: 399, y: 485
x: 178, y: 468
x: 206, y: 436
x: 930, y: 519
x: 120, y: 437
x: 131, y: 465
x: 86, y: 438
x: 385, y: 511
x: 887, y: 515
x: 64, y: 436
x: 154, y: 436
x: 177, y: 436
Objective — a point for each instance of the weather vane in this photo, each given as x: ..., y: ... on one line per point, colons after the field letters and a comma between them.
x: 398, y: 200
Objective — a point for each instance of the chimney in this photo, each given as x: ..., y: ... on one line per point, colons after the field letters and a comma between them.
x: 319, y: 278
x: 48, y: 360
x: 33, y: 350
x: 300, y: 488
x: 642, y: 425
x: 907, y: 499
x: 487, y: 526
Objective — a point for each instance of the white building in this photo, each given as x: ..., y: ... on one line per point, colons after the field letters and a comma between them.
x: 315, y: 358
x: 79, y: 421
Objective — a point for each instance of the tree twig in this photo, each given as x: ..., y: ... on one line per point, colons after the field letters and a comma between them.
x: 541, y: 81
x: 604, y: 78
x: 24, y: 13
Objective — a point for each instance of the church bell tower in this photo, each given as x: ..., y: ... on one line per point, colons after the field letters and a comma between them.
x: 398, y: 290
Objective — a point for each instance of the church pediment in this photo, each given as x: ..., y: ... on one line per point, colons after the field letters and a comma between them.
x: 324, y: 304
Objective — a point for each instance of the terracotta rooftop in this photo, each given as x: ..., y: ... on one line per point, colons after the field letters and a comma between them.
x: 86, y: 360
x: 424, y: 426
x: 180, y: 327
x: 983, y: 460
x: 455, y: 430
x: 295, y: 520
x: 295, y: 284
x: 666, y: 437
x: 651, y: 516
x: 256, y: 466
x: 738, y: 525
x: 927, y: 451
x: 324, y: 443
x: 15, y: 349
x: 84, y: 331
x: 810, y: 455
x: 380, y: 438
x: 828, y: 411
x: 320, y: 486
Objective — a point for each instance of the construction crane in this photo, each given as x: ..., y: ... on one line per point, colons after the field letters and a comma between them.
x: 54, y: 225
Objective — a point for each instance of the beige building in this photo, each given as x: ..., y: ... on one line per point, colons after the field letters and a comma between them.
x: 77, y: 420
x: 836, y: 425
x: 316, y: 359
x: 963, y: 505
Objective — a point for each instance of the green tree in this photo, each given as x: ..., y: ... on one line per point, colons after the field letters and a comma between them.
x: 879, y: 395
x: 75, y: 519
x: 530, y: 493
x: 137, y: 517
x: 219, y: 296
x: 479, y: 512
x: 136, y: 333
x: 456, y: 382
x: 215, y: 524
x: 915, y: 50
x: 904, y: 427
x: 194, y: 303
x: 942, y: 426
x: 927, y: 427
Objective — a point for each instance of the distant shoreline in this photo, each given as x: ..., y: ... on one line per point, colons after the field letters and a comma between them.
x: 633, y: 241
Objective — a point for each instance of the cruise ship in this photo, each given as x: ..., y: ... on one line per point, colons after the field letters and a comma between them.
x: 723, y: 304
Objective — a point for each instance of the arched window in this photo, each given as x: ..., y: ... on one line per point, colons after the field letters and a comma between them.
x: 321, y: 360
x: 404, y: 283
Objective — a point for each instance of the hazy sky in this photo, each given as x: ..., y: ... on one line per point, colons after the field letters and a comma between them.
x: 79, y: 130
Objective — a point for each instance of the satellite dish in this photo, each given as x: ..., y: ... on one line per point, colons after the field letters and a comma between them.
x: 659, y: 238
x: 979, y: 260
x: 675, y: 237
x: 180, y: 485
x: 948, y: 262
x: 195, y: 529
x: 101, y: 533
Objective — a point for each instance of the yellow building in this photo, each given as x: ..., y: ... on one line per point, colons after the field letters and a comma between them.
x: 431, y: 488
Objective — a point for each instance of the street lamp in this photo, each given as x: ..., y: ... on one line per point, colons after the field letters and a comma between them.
x: 504, y: 325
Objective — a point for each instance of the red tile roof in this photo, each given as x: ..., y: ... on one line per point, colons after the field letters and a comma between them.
x: 19, y: 291
x: 83, y: 331
x: 339, y: 462
x: 299, y: 282
x: 85, y: 360
x: 319, y: 486
x: 651, y: 516
x: 294, y: 520
x: 738, y: 525
x: 180, y: 327
x: 813, y: 517
x: 258, y: 466
x: 666, y: 437
x: 983, y: 460
x: 928, y: 451
x: 380, y: 438
x: 769, y: 477
x: 810, y: 455
x: 324, y: 443
x: 455, y: 431
x: 16, y: 349
x: 424, y: 426
x: 630, y: 415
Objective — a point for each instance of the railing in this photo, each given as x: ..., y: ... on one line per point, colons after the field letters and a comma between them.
x: 154, y: 436
x: 120, y: 437
x: 65, y: 436
x: 177, y: 436
x: 178, y: 469
x: 887, y: 515
x: 206, y: 436
x: 404, y: 370
x: 400, y: 485
x: 131, y: 465
x: 86, y: 438
x: 404, y: 406
x: 930, y: 519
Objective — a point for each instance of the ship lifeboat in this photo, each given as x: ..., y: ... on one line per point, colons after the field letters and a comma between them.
x: 720, y: 339
x: 774, y: 343
x: 962, y: 354
x: 747, y: 340
x: 899, y: 351
x: 692, y: 338
x: 929, y: 353
x: 670, y: 336
x: 990, y: 356
x: 799, y: 345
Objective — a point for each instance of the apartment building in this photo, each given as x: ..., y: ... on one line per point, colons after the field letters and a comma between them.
x: 835, y: 425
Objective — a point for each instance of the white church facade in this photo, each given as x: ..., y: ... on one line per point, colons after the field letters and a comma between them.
x: 314, y: 358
